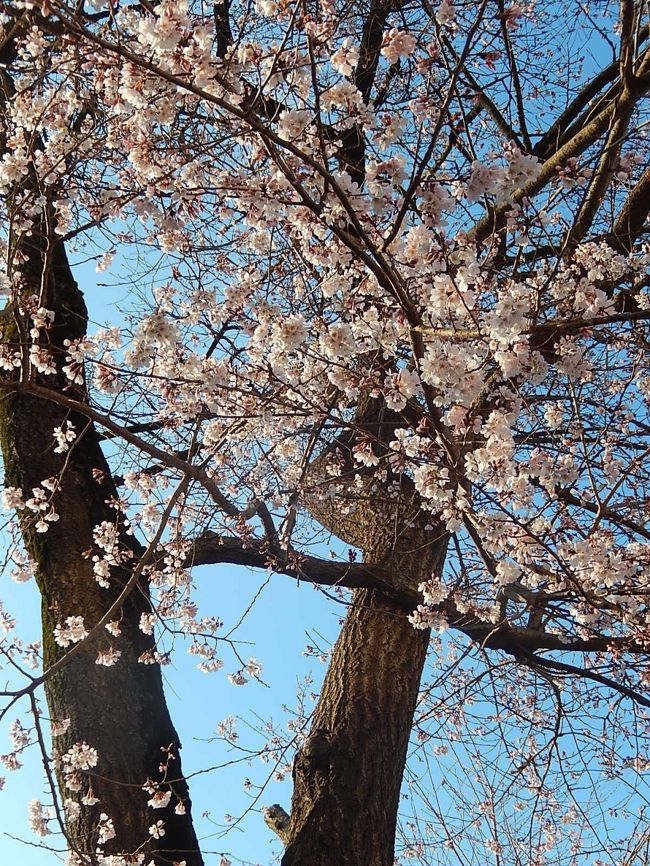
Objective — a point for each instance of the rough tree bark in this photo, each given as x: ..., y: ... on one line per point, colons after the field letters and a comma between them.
x: 348, y: 775
x: 119, y: 710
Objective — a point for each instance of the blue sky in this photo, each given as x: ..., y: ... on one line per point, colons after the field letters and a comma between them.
x: 277, y: 628
x: 275, y: 632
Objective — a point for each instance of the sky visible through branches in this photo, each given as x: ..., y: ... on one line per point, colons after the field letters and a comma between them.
x: 281, y: 629
x: 411, y: 320
x: 290, y: 627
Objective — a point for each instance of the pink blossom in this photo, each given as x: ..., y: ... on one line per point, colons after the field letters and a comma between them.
x: 397, y: 44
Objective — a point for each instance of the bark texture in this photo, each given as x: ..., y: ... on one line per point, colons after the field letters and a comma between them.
x: 120, y: 710
x: 348, y: 775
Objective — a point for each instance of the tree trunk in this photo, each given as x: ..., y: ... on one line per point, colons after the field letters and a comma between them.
x: 118, y: 710
x: 348, y: 775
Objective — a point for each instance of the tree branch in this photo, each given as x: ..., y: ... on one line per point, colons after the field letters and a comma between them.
x: 577, y: 145
x: 623, y: 110
x: 210, y: 549
x: 531, y: 660
x: 633, y: 216
x: 223, y: 32
x: 559, y: 133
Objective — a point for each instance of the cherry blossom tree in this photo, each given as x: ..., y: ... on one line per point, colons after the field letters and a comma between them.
x: 388, y: 269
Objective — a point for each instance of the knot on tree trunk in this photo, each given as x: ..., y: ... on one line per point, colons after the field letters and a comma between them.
x: 278, y: 820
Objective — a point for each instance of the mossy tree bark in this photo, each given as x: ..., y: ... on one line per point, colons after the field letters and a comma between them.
x: 119, y: 710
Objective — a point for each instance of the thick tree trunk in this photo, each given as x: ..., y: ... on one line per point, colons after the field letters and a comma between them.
x: 348, y: 775
x: 120, y: 710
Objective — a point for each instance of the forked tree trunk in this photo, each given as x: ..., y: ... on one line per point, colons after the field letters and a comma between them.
x: 118, y: 710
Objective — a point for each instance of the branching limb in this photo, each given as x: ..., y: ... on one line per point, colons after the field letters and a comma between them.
x: 633, y: 216
x: 576, y: 146
x: 213, y: 549
x: 561, y: 130
x: 623, y: 111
